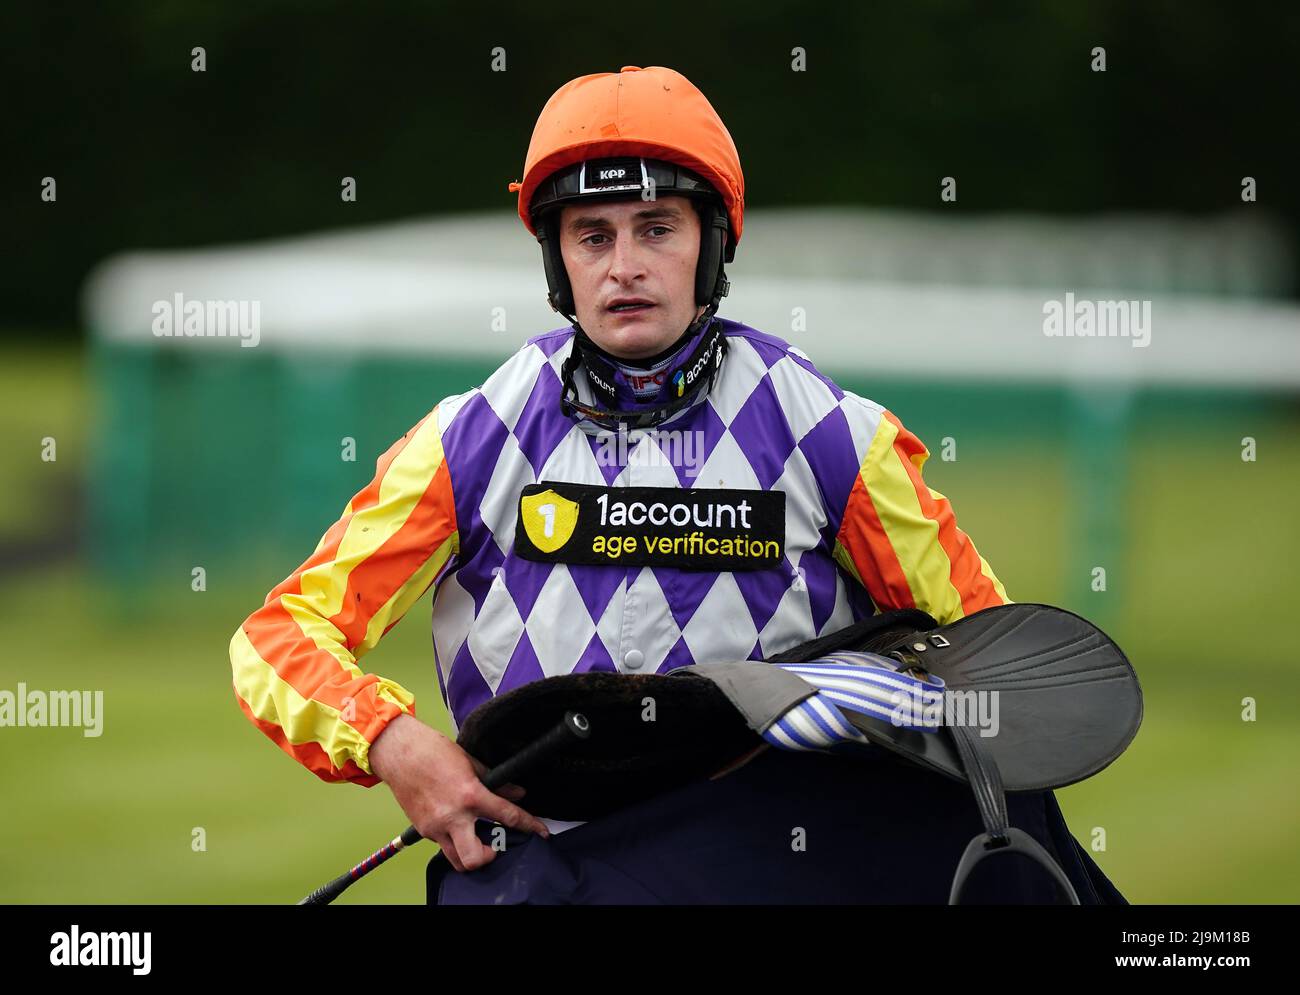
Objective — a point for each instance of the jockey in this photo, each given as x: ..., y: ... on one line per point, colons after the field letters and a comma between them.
x: 648, y: 487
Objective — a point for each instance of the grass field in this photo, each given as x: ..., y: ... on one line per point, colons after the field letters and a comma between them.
x: 1203, y: 807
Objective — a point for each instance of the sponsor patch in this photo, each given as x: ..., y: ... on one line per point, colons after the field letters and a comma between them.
x: 695, y: 528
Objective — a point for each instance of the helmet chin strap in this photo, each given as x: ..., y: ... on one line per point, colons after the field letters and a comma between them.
x: 709, y: 352
x: 696, y: 324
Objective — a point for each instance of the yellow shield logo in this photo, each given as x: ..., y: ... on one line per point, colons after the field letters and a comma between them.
x: 549, y: 519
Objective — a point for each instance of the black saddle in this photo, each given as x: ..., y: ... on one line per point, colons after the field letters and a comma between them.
x: 1068, y: 704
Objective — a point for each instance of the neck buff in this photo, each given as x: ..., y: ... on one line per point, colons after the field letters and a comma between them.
x: 644, y: 392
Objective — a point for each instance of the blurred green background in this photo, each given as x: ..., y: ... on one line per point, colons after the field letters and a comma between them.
x: 168, y: 459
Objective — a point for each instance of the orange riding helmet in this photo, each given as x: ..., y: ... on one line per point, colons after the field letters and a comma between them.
x: 643, y: 127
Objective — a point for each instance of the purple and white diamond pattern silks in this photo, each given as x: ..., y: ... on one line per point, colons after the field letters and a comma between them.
x: 770, y: 421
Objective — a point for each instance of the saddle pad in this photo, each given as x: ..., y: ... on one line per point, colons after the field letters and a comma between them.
x: 649, y: 733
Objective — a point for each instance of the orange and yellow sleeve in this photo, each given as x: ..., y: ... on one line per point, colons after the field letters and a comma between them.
x: 900, y: 539
x: 295, y: 659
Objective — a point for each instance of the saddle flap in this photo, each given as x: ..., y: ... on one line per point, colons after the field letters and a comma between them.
x: 1055, y: 699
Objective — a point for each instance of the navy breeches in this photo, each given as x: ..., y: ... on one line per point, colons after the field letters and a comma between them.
x: 785, y: 828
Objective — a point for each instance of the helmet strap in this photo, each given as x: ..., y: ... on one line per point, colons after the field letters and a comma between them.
x: 706, y: 356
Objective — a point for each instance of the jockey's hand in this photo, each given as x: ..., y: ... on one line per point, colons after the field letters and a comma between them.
x: 437, y: 785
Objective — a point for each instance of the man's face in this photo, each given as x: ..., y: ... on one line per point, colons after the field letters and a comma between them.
x: 642, y: 251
